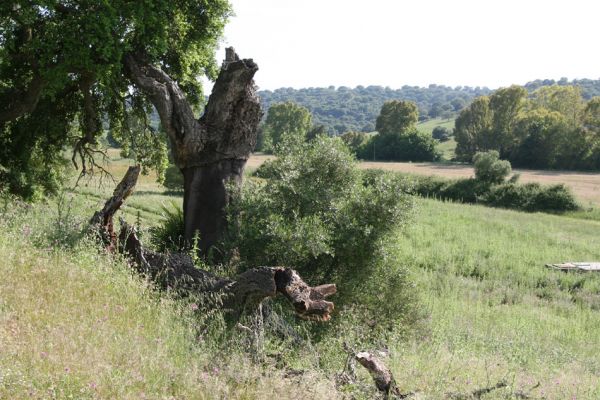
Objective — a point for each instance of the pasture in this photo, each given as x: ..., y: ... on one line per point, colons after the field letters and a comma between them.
x: 494, y: 313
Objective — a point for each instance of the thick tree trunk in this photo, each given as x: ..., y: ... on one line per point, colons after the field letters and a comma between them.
x: 205, y: 199
x: 210, y: 151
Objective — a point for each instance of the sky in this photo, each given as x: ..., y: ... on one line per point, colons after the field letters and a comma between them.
x: 493, y: 43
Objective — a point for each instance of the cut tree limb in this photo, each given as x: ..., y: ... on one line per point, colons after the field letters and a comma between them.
x: 384, y: 380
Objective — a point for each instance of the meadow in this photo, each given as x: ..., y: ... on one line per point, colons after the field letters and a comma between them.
x: 75, y: 323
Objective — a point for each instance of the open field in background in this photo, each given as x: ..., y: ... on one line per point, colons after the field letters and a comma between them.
x: 585, y: 185
x: 430, y: 124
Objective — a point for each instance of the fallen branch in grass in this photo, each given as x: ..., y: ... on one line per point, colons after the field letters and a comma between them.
x: 177, y: 270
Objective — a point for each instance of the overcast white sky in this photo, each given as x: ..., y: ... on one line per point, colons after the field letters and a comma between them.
x: 312, y: 43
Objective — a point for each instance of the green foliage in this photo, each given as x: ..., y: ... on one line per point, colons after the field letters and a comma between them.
x: 409, y: 146
x: 74, y: 53
x: 554, y: 129
x: 169, y: 234
x: 398, y: 139
x: 489, y: 168
x: 285, y: 119
x: 173, y: 178
x: 397, y: 117
x: 441, y: 133
x: 354, y: 140
x: 505, y: 104
x: 491, y: 190
x: 565, y: 100
x: 472, y: 123
x: 346, y: 109
x: 314, y: 213
x: 541, y: 132
x: 531, y: 197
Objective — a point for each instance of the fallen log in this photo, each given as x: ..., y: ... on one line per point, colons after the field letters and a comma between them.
x: 177, y: 270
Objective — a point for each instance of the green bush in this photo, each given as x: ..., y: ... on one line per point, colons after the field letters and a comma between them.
x: 441, y: 133
x: 173, y: 178
x: 489, y: 168
x: 531, y: 197
x: 409, y: 146
x: 464, y: 190
x: 169, y: 234
x: 316, y: 213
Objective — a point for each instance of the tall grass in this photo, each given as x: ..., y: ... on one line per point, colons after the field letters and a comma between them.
x: 496, y: 313
x: 76, y: 324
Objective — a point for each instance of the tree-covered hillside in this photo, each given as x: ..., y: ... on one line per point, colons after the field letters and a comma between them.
x: 345, y: 109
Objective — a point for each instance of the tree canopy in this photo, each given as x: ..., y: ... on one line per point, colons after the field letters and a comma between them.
x: 63, y: 80
x: 553, y: 127
x: 397, y: 116
x: 285, y: 119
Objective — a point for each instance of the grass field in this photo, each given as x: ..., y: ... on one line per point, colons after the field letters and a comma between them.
x: 75, y: 323
x: 429, y: 125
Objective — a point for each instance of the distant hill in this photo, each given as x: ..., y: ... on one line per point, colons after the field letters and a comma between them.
x: 345, y: 109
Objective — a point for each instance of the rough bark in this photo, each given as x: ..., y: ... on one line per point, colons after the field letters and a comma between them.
x: 177, y: 270
x: 210, y: 151
x: 102, y: 220
x: 384, y: 380
x: 245, y: 291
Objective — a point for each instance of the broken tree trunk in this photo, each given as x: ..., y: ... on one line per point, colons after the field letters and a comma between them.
x: 210, y: 151
x: 103, y: 219
x: 177, y: 270
x: 384, y: 380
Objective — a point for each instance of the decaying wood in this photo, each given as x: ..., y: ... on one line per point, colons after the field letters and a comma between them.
x: 246, y: 291
x: 384, y: 380
x: 177, y: 270
x: 211, y: 151
x: 103, y: 219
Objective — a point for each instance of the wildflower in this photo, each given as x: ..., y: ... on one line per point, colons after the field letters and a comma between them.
x: 194, y: 306
x: 67, y: 370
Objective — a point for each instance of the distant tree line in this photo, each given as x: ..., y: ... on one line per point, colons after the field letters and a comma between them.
x: 345, y: 109
x: 397, y: 138
x: 552, y: 127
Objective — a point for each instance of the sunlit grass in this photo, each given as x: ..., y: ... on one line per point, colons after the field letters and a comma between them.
x: 496, y: 313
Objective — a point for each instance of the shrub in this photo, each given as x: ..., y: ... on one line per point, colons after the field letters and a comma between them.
x: 441, y: 133
x: 410, y: 146
x: 489, y: 168
x: 531, y: 197
x: 173, y: 178
x: 169, y: 234
x: 317, y: 214
x: 464, y: 190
